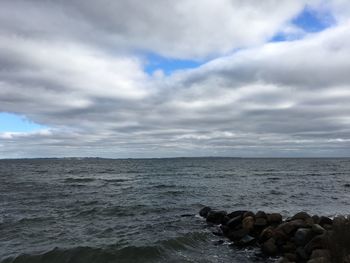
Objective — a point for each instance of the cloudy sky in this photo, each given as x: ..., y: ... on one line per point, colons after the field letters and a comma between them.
x: 162, y: 78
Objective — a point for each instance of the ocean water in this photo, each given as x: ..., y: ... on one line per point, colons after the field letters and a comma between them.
x: 101, y: 210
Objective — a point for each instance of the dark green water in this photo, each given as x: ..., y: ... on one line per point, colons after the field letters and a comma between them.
x: 98, y: 210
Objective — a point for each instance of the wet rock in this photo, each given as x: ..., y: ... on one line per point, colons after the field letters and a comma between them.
x: 234, y: 222
x: 316, y: 219
x: 218, y: 232
x: 246, y: 240
x: 339, y: 220
x: 274, y: 218
x: 204, y: 211
x: 215, y: 217
x: 303, y: 236
x: 291, y: 257
x: 317, y: 229
x: 261, y: 214
x: 266, y: 234
x: 325, y: 221
x: 236, y: 213
x: 225, y: 229
x: 225, y: 220
x: 280, y: 236
x: 269, y: 247
x: 260, y: 222
x: 219, y: 242
x: 301, y: 215
x: 318, y: 253
x: 284, y: 260
x: 318, y: 242
x: 249, y: 213
x: 248, y: 223
x: 237, y: 235
x: 289, y: 247
x: 301, y: 253
x: 319, y: 260
x: 291, y: 226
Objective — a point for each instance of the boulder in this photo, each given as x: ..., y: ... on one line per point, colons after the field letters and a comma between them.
x: 261, y: 214
x: 248, y: 223
x: 236, y: 213
x: 237, y: 235
x: 325, y: 221
x: 291, y: 257
x: 260, y: 222
x: 215, y: 217
x: 319, y: 253
x: 266, y: 234
x: 269, y: 247
x: 301, y: 253
x: 289, y: 247
x: 303, y: 236
x: 225, y: 229
x: 318, y: 242
x: 316, y: 219
x: 234, y: 222
x: 246, y: 240
x: 204, y: 211
x: 317, y: 229
x: 319, y: 260
x: 249, y: 213
x: 274, y: 218
x: 291, y: 226
x: 339, y: 220
x: 280, y: 236
x: 301, y: 215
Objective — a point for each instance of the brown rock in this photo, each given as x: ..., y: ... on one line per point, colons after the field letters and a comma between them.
x: 266, y: 234
x: 318, y: 242
x: 236, y: 235
x: 301, y: 215
x: 269, y: 247
x: 274, y: 218
x: 249, y: 213
x: 317, y: 229
x: 316, y: 219
x: 291, y: 256
x: 289, y: 247
x: 234, y: 222
x: 280, y: 236
x: 319, y: 260
x: 302, y: 236
x: 248, y: 223
x: 261, y: 214
x: 291, y: 226
x: 325, y: 221
x: 318, y: 253
x: 260, y: 222
x: 236, y: 213
x: 215, y: 217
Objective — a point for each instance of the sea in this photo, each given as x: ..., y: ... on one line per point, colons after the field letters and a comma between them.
x: 92, y: 210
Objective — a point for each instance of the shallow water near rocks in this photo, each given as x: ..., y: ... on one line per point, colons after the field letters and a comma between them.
x: 100, y: 210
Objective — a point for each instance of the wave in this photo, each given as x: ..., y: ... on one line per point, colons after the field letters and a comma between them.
x: 159, y: 252
x: 79, y: 180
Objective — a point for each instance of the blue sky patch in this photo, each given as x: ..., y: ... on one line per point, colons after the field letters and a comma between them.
x: 311, y: 20
x: 168, y: 65
x: 17, y: 123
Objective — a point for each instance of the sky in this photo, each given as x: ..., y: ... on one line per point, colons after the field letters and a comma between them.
x: 163, y: 78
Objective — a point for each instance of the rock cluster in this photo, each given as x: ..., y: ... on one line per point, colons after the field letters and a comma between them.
x: 301, y: 238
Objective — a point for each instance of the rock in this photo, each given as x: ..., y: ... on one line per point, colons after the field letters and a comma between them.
x: 248, y: 223
x: 289, y: 247
x: 274, y: 218
x: 301, y: 253
x: 215, y: 217
x: 301, y: 215
x: 317, y: 229
x: 291, y: 257
x: 284, y: 260
x: 291, y: 226
x: 303, y: 236
x: 261, y: 214
x: 316, y: 219
x: 325, y: 220
x: 266, y: 234
x: 318, y: 242
x: 218, y: 232
x: 319, y: 260
x: 225, y: 229
x: 328, y: 227
x: 318, y: 253
x: 249, y: 213
x: 234, y: 222
x: 237, y: 235
x: 269, y: 247
x: 246, y: 240
x: 225, y: 220
x: 236, y: 213
x: 204, y: 211
x: 339, y: 220
x: 260, y: 222
x: 280, y: 236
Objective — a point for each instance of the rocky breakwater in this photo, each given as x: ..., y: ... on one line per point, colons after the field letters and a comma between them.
x: 300, y: 238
